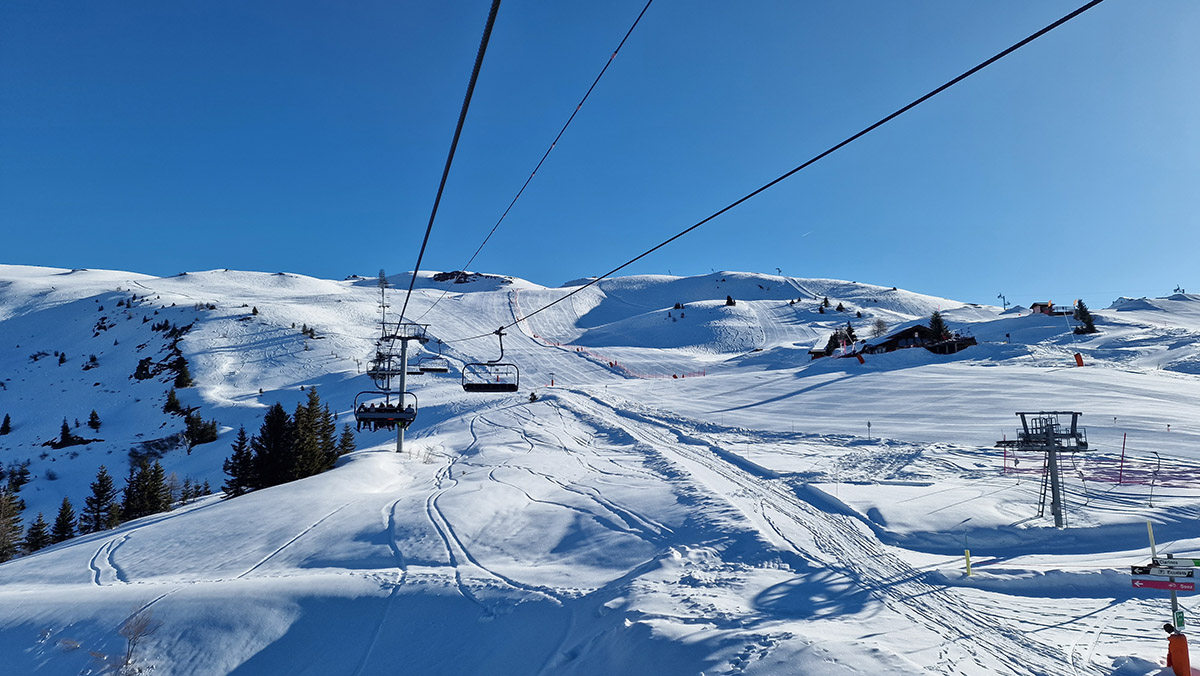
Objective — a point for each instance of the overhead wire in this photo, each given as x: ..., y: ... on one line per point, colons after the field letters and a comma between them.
x: 578, y: 107
x: 829, y: 151
x: 462, y: 116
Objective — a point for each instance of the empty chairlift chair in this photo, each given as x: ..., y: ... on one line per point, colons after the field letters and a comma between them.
x: 433, y: 365
x: 492, y: 376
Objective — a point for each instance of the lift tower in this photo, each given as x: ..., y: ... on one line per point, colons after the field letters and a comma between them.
x: 1041, y: 432
x: 398, y: 408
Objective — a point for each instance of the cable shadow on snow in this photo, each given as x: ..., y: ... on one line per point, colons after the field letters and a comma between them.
x: 788, y: 395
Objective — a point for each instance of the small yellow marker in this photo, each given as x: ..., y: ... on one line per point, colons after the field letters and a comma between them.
x: 967, y: 554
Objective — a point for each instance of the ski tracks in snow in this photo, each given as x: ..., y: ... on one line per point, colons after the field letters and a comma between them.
x: 105, y: 571
x: 460, y: 556
x: 299, y: 535
x: 993, y: 648
x: 388, y: 517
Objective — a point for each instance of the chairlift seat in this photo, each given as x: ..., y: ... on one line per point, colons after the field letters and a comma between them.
x: 489, y: 387
x: 391, y: 412
x: 433, y: 365
x: 490, y: 377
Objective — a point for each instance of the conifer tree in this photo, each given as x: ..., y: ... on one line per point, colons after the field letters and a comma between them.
x: 10, y: 525
x: 146, y: 491
x: 100, y: 509
x: 836, y: 340
x: 307, y: 458
x: 730, y: 301
x: 199, y: 431
x: 135, y: 503
x: 346, y: 441
x: 183, y: 377
x: 64, y: 435
x: 64, y: 523
x: 938, y: 326
x: 6, y: 426
x: 157, y: 490
x: 18, y: 476
x: 272, y: 448
x: 239, y: 467
x: 172, y: 404
x: 94, y: 421
x: 849, y: 333
x: 327, y: 436
x: 825, y: 302
x: 37, y: 536
x: 1082, y: 314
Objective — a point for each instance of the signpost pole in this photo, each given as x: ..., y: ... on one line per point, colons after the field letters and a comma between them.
x: 1154, y: 555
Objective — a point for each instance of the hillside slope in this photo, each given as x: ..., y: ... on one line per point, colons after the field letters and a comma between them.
x: 743, y: 519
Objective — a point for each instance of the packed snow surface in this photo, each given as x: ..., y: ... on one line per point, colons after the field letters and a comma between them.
x: 689, y: 493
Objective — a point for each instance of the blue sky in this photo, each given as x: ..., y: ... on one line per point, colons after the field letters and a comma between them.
x: 309, y: 137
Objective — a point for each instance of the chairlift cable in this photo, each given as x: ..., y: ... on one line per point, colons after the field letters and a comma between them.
x: 462, y: 116
x: 553, y: 143
x: 811, y: 161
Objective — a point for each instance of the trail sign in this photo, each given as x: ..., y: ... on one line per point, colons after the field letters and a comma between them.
x: 1164, y: 584
x: 1155, y: 571
x: 1177, y: 563
x: 1179, y: 619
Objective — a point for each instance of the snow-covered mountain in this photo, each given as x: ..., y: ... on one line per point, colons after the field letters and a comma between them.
x: 692, y: 495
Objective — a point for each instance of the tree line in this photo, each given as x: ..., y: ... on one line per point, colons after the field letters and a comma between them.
x: 147, y: 491
x: 286, y: 448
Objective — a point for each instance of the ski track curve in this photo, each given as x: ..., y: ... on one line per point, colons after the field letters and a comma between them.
x: 104, y: 569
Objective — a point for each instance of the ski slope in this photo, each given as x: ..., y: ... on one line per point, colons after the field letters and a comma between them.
x: 738, y: 520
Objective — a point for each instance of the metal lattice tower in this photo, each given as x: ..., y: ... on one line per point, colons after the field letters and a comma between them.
x: 389, y: 363
x: 1042, y: 432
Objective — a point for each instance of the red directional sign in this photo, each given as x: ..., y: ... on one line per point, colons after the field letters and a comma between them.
x: 1164, y: 584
